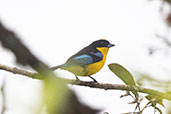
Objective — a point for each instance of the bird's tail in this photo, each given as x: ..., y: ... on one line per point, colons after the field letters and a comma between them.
x: 56, y: 67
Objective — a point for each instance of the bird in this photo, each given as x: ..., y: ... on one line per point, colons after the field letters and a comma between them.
x: 87, y: 61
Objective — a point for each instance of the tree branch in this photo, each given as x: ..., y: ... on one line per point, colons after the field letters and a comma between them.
x: 91, y: 84
x: 20, y: 71
x: 16, y: 70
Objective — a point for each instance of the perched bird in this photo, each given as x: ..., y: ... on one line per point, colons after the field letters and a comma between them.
x: 87, y: 61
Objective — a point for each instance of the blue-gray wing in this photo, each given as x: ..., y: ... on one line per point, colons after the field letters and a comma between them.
x: 80, y: 60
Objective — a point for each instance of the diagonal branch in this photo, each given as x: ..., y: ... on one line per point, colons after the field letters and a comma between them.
x: 16, y: 70
x: 91, y: 84
x: 19, y: 71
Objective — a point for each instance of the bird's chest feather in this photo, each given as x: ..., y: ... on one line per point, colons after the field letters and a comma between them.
x: 95, y: 67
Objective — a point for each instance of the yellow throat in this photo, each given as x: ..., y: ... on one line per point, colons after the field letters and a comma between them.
x: 95, y: 67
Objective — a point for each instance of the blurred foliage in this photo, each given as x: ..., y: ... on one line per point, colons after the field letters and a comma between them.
x: 169, y: 109
x: 55, y: 95
x: 58, y: 99
x: 164, y: 85
x: 145, y: 79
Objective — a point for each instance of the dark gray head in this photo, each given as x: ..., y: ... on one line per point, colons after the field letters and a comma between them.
x: 102, y: 43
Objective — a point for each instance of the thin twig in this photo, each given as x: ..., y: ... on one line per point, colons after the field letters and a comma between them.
x: 147, y: 105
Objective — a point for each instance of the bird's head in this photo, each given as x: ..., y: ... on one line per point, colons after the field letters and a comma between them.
x: 102, y: 43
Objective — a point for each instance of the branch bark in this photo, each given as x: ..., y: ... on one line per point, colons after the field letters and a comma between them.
x: 91, y: 84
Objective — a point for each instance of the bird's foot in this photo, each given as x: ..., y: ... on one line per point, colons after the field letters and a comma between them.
x: 94, y: 80
x: 77, y: 79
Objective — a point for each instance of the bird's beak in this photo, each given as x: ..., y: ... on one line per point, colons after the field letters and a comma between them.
x: 110, y: 45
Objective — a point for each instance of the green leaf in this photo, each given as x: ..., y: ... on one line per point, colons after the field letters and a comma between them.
x: 122, y: 73
x: 155, y: 100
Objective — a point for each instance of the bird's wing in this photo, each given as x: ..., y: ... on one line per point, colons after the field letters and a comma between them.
x: 80, y: 60
x: 85, y: 56
x: 85, y: 59
x: 97, y: 56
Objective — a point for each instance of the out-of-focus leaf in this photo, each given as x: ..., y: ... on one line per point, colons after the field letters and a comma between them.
x: 60, y: 100
x: 155, y: 100
x: 168, y: 108
x: 144, y: 79
x: 122, y: 73
x: 55, y: 94
x: 168, y: 93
